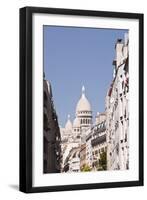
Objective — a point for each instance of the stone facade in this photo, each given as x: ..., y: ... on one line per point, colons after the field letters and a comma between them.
x: 98, y: 141
x: 82, y: 156
x: 117, y: 110
x: 72, y: 161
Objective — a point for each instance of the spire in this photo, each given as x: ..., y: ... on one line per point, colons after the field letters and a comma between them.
x: 83, y: 91
x: 68, y: 116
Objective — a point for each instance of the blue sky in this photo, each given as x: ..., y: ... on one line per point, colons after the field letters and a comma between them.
x: 79, y: 56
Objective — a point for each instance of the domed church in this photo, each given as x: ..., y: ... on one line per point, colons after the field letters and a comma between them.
x: 74, y: 134
x: 82, y: 122
x: 82, y: 136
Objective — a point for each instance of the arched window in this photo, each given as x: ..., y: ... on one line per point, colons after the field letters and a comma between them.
x: 81, y: 121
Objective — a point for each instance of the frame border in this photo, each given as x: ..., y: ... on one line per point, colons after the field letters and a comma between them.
x: 25, y: 99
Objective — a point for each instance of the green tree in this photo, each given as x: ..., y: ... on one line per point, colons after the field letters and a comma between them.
x: 85, y: 168
x: 102, y: 161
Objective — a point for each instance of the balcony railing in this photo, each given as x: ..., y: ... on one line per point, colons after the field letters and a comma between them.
x: 98, y: 140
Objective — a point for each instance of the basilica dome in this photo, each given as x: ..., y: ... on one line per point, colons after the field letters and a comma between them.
x: 83, y: 104
x: 76, y: 122
x: 68, y: 125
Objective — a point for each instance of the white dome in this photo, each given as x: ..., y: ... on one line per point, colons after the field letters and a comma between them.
x: 68, y: 125
x: 76, y: 122
x: 83, y: 104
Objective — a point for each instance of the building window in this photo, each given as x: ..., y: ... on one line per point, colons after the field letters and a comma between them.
x: 127, y: 165
x: 125, y: 114
x: 117, y: 149
x: 122, y: 84
x: 125, y: 137
x: 116, y: 125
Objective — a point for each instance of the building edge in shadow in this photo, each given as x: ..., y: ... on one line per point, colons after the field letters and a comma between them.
x: 51, y: 132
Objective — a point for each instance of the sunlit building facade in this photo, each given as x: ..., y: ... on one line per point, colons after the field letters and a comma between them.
x: 117, y: 110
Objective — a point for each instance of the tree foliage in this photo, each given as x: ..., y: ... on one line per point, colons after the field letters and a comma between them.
x: 85, y: 168
x: 103, y: 161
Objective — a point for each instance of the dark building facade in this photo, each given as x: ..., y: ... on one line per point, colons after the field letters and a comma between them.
x: 51, y: 133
